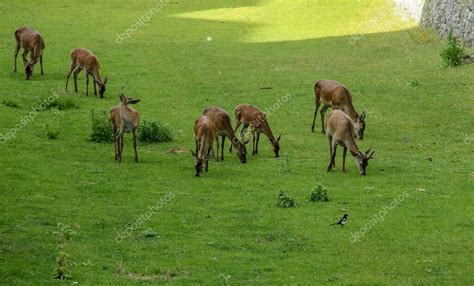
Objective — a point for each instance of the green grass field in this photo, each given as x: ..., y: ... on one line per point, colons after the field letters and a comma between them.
x: 225, y: 228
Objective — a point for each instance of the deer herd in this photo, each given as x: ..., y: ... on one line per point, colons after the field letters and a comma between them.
x: 343, y: 127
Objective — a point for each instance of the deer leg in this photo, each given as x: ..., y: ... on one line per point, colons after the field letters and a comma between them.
x: 78, y: 70
x: 334, y: 150
x: 118, y: 139
x: 222, y: 148
x: 254, y: 143
x: 114, y: 131
x: 41, y: 64
x: 73, y: 66
x: 216, y: 155
x: 207, y: 161
x: 87, y: 83
x: 258, y: 138
x: 344, y: 151
x: 25, y: 60
x: 135, y: 144
x: 330, y: 154
x: 15, y: 56
x: 95, y: 89
x: 318, y: 103
x: 323, y: 128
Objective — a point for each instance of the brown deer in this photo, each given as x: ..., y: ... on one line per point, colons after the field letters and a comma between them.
x: 205, y: 131
x: 257, y: 120
x: 341, y: 131
x: 221, y: 119
x: 31, y: 41
x: 85, y: 59
x: 333, y: 94
x: 124, y: 119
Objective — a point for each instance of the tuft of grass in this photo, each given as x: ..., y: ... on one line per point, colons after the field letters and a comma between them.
x: 10, y: 103
x: 284, y: 201
x: 61, y: 103
x: 101, y: 127
x: 319, y: 194
x: 151, y: 131
x: 452, y: 55
x: 51, y: 133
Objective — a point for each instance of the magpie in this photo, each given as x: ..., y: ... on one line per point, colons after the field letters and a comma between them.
x: 342, y: 221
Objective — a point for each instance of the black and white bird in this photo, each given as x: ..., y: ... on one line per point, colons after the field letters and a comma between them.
x: 342, y: 221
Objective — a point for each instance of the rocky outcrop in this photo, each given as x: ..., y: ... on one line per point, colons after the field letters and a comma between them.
x: 444, y: 15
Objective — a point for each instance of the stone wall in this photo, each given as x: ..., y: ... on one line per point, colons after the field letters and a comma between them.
x: 443, y: 15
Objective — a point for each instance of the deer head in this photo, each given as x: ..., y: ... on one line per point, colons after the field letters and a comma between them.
x: 362, y: 160
x: 359, y: 126
x: 101, y: 86
x: 128, y: 100
x: 199, y: 163
x: 29, y: 71
x: 241, y: 149
x: 276, y: 147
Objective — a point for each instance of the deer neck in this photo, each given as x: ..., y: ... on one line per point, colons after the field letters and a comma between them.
x: 126, y: 117
x: 352, y: 113
x: 204, y: 146
x: 350, y: 142
x: 268, y: 132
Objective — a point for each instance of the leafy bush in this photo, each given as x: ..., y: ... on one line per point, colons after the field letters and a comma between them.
x: 453, y: 53
x: 101, y: 127
x: 319, y: 194
x: 10, y: 103
x: 285, y: 201
x: 62, y: 103
x: 151, y: 131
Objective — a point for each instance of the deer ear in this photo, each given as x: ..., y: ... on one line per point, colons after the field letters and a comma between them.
x: 362, y: 115
x: 246, y: 142
x: 105, y: 80
x: 371, y: 155
x: 133, y: 101
x: 193, y: 153
x: 279, y: 137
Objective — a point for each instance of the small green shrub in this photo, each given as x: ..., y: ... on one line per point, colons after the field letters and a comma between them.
x: 10, y: 103
x: 319, y: 194
x: 151, y: 131
x: 62, y: 103
x: 101, y: 127
x: 150, y: 233
x: 285, y: 201
x: 453, y: 53
x: 62, y: 268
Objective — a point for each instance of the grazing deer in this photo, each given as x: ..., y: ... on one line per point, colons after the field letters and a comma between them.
x: 224, y: 129
x: 205, y: 131
x: 333, y: 94
x: 124, y: 119
x: 257, y: 120
x: 85, y: 59
x: 31, y: 41
x: 341, y: 131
